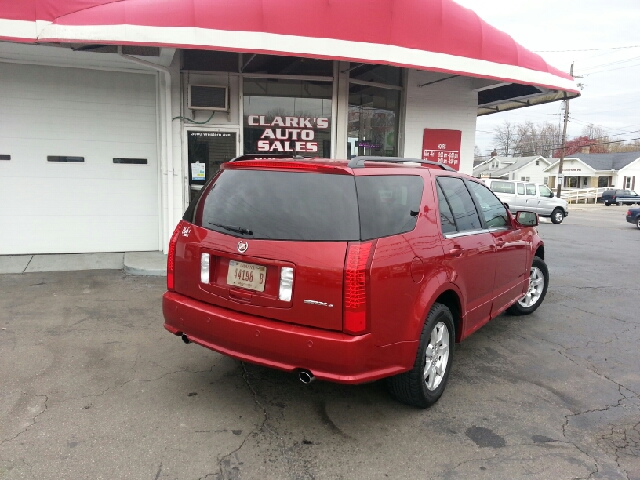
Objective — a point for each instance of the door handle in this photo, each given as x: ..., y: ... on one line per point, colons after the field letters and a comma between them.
x: 456, y: 251
x: 500, y: 243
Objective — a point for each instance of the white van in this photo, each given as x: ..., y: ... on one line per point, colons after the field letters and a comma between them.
x: 533, y: 197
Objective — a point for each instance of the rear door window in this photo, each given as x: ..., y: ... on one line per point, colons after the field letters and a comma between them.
x: 531, y: 189
x: 461, y: 204
x: 281, y: 206
x: 388, y: 204
x: 520, y: 189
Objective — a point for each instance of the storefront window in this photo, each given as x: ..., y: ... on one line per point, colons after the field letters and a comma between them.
x: 282, y: 116
x: 376, y: 74
x: 373, y: 121
x: 279, y: 65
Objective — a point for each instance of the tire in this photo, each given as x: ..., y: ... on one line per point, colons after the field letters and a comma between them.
x: 638, y: 222
x: 538, y: 283
x: 607, y: 203
x: 412, y: 387
x: 557, y: 216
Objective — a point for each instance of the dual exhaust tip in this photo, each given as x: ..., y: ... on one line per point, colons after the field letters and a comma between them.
x: 305, y: 376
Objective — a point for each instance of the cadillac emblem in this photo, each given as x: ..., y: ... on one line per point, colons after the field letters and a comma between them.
x: 242, y: 247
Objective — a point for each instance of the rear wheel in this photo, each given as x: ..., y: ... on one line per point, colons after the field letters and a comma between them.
x: 638, y: 223
x: 538, y: 283
x: 607, y: 203
x: 423, y: 385
x: 557, y: 216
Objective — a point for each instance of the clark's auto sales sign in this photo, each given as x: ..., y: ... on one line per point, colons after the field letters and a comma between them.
x: 442, y: 146
x: 287, y: 134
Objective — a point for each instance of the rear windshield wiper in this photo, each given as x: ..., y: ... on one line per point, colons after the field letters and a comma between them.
x: 232, y: 228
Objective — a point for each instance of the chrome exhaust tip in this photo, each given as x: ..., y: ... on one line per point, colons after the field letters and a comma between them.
x: 185, y: 339
x: 306, y: 377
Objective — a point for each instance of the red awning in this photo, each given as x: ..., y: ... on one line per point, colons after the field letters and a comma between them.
x: 435, y: 35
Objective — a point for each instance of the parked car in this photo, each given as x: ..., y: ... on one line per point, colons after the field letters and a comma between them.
x: 633, y: 216
x: 349, y: 271
x: 616, y: 197
x: 533, y: 197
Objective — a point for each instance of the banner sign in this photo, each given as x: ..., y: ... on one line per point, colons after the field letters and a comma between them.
x: 288, y: 134
x: 442, y: 146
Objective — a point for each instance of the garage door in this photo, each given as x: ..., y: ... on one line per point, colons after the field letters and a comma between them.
x: 79, y: 171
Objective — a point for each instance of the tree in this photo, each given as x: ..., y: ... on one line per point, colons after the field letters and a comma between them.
x: 582, y: 144
x: 504, y: 138
x: 598, y: 136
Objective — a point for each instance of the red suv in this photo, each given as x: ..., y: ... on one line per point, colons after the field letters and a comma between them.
x: 349, y: 271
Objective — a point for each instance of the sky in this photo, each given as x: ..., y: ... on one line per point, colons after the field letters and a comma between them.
x: 601, y: 37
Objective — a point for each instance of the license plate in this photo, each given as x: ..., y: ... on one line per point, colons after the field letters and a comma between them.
x: 246, y: 275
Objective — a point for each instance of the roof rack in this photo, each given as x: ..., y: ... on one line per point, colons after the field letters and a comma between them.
x: 358, y: 162
x: 260, y: 156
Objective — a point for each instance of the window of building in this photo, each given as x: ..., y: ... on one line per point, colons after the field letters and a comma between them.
x: 210, y: 61
x: 525, y: 179
x: 385, y: 74
x: 281, y: 65
x: 282, y: 116
x: 373, y: 121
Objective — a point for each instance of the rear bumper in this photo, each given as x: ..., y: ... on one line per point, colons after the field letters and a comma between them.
x: 328, y: 355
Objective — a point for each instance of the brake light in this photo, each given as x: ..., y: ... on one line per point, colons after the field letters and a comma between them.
x: 171, y: 257
x: 355, y: 288
x: 292, y: 165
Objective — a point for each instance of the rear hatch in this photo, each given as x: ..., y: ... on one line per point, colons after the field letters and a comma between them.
x: 271, y: 243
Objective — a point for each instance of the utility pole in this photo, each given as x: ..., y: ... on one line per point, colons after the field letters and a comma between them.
x: 560, y: 177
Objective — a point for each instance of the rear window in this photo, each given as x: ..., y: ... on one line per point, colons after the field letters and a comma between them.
x: 281, y: 206
x: 503, y: 187
x: 309, y: 206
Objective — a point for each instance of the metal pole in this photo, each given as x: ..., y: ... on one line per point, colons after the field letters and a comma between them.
x: 564, y: 140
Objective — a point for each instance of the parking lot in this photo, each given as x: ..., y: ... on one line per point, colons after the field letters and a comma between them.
x: 93, y: 387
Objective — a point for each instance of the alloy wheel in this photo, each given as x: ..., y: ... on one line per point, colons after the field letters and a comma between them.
x: 436, y: 356
x: 536, y: 286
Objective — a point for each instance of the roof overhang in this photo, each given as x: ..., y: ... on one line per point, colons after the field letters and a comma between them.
x: 432, y: 35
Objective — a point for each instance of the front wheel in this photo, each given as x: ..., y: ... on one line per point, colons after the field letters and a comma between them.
x: 557, y: 216
x: 538, y: 283
x: 638, y: 223
x: 423, y: 385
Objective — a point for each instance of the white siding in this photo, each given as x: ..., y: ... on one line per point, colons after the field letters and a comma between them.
x: 450, y: 104
x: 95, y: 206
x: 535, y: 172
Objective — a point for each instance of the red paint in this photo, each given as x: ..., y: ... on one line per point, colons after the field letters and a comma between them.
x: 442, y: 146
x: 376, y: 294
x: 440, y: 26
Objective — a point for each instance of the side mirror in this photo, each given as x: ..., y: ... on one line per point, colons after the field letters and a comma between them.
x: 527, y: 219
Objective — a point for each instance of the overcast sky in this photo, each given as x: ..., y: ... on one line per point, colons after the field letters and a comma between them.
x: 605, y: 37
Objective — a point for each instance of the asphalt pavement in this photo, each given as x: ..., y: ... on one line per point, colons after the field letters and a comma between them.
x: 93, y: 387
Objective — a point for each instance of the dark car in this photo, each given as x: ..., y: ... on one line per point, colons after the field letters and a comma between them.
x: 633, y: 216
x: 349, y: 271
x: 616, y: 197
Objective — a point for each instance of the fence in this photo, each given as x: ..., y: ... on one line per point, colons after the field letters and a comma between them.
x: 583, y: 195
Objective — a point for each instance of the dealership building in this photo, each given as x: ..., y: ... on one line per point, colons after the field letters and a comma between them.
x: 113, y: 114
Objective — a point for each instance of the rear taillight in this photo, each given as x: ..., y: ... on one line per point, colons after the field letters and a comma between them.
x: 355, y: 288
x: 628, y: 213
x: 171, y: 257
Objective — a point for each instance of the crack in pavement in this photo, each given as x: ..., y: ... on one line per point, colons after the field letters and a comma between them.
x: 35, y: 418
x: 245, y: 376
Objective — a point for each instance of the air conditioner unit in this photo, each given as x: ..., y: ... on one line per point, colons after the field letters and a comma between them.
x: 208, y: 97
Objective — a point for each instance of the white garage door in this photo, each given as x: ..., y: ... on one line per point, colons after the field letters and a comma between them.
x: 79, y: 169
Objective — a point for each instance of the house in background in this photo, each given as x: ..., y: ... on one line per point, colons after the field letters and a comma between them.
x: 591, y: 170
x: 527, y: 169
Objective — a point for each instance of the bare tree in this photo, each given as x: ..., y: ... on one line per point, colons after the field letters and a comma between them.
x: 598, y: 136
x: 504, y: 137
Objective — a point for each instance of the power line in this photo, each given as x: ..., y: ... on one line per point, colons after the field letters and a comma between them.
x: 587, y: 49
